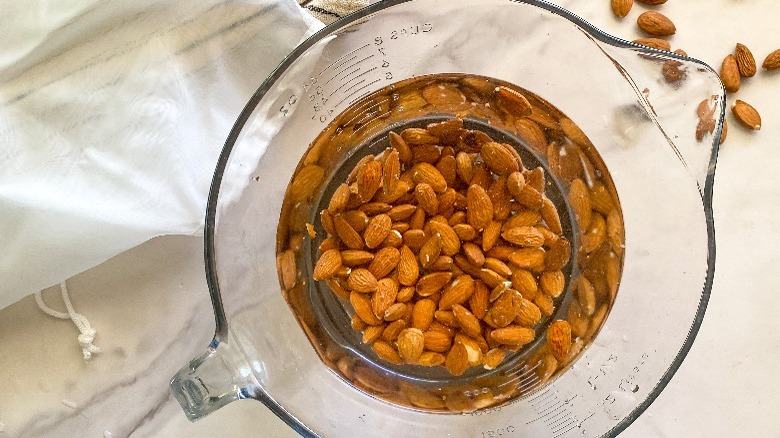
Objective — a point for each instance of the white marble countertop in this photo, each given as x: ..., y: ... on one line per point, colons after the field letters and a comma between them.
x: 153, y: 313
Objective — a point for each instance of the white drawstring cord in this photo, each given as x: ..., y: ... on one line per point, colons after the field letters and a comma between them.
x: 87, y: 332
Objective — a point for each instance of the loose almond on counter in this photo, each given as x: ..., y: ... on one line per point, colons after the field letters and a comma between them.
x: 729, y: 74
x: 656, y: 24
x: 745, y: 61
x: 621, y: 8
x: 746, y: 114
x: 772, y: 61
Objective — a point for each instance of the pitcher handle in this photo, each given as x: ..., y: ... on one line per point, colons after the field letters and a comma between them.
x: 211, y: 381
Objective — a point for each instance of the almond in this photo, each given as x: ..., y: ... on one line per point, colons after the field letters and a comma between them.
x: 327, y: 265
x: 596, y: 233
x: 528, y: 314
x: 772, y: 61
x: 377, y: 230
x: 430, y: 359
x: 385, y: 260
x: 532, y: 134
x: 505, y: 308
x: 474, y: 254
x: 729, y: 74
x: 408, y: 270
x: 399, y: 144
x: 457, y: 360
x: 362, y: 280
x: 493, y: 358
x: 418, y: 136
x: 427, y: 153
x: 528, y: 258
x: 479, y: 208
x: 655, y: 43
x: 550, y: 216
x: 746, y: 114
x: 447, y: 131
x: 405, y: 294
x: 513, y: 102
x: 558, y: 254
x: 530, y: 197
x: 498, y: 267
x: 368, y: 180
x: 524, y: 282
x: 513, y: 335
x: 443, y: 263
x: 464, y: 167
x: 745, y: 61
x: 336, y: 286
x: 357, y: 324
x: 411, y: 343
x: 374, y: 208
x: 372, y: 332
x: 288, y: 271
x: 443, y: 95
x: 387, y: 352
x: 339, y: 200
x: 490, y: 235
x: 357, y: 219
x: 656, y: 24
x: 468, y: 322
x: 621, y: 8
x: 552, y: 283
x: 586, y: 295
x: 479, y: 300
x: 426, y: 198
x: 465, y: 232
x: 391, y: 332
x: 427, y: 173
x: 384, y: 296
x: 450, y: 243
x: 395, y: 312
x: 391, y: 172
x: 346, y: 233
x: 545, y: 304
x: 306, y: 182
x: 354, y: 257
x: 559, y: 339
x: 431, y: 283
x: 652, y: 2
x: 436, y: 341
x: 524, y: 236
x: 362, y: 306
x: 499, y: 159
x: 422, y: 314
x: 579, y: 199
x: 515, y: 184
x: 457, y: 292
x: 430, y: 251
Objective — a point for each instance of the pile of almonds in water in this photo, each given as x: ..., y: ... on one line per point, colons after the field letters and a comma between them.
x: 740, y: 64
x: 437, y: 244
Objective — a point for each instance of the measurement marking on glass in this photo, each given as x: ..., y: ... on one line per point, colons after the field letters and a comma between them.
x: 344, y: 85
x: 556, y: 420
x: 347, y: 75
x: 364, y: 86
x: 566, y: 431
x: 536, y: 397
x: 354, y: 85
x: 567, y: 421
x: 354, y: 63
x: 539, y: 399
x: 344, y: 56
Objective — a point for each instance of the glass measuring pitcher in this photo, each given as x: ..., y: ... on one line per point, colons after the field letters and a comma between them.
x: 654, y: 119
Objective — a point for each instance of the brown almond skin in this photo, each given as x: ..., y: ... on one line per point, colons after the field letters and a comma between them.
x: 745, y: 61
x: 772, y: 61
x: 621, y: 8
x: 655, y: 43
x: 656, y: 24
x: 729, y: 74
x: 652, y: 2
x: 746, y: 115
